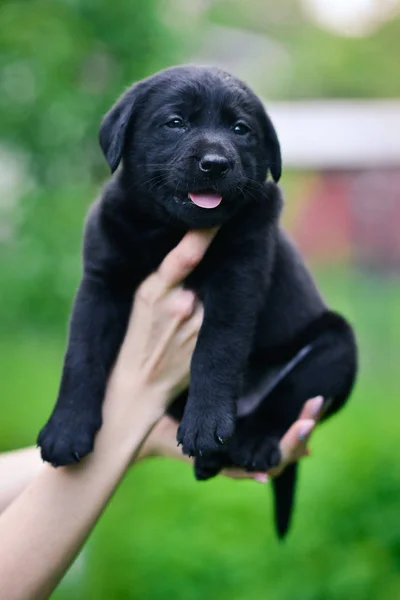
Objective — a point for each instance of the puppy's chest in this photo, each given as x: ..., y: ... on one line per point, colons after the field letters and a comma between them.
x: 143, y: 252
x: 225, y: 255
x: 198, y: 281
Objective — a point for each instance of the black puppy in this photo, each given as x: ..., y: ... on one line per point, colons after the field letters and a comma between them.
x: 196, y: 146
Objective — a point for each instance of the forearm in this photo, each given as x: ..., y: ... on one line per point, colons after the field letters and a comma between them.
x: 17, y: 470
x: 44, y: 528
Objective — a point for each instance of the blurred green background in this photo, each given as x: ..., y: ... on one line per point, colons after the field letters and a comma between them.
x: 62, y: 64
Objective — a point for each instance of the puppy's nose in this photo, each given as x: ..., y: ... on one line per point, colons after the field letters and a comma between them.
x: 214, y: 165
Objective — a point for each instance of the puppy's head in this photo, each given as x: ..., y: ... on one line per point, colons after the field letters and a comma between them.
x: 194, y: 140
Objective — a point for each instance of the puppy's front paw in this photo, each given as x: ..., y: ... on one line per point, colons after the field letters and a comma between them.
x: 201, y: 433
x: 65, y: 439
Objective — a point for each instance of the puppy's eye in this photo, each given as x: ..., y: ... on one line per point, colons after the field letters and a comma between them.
x: 241, y: 128
x: 175, y: 123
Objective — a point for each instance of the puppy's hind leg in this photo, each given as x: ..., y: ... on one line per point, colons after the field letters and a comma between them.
x: 330, y: 371
x: 210, y: 465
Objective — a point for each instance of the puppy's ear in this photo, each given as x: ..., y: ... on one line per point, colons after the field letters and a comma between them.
x: 273, y: 149
x: 114, y: 126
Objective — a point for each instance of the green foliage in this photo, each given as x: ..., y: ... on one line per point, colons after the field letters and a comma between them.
x: 62, y: 65
x: 41, y: 264
x: 327, y: 66
x: 321, y: 64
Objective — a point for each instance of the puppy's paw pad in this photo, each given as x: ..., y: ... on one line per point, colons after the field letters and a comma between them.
x: 62, y: 443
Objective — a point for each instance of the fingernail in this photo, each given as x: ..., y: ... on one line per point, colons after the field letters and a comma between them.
x: 317, y: 405
x: 306, y: 429
x: 261, y: 477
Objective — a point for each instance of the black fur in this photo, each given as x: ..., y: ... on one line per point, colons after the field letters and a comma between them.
x: 261, y: 304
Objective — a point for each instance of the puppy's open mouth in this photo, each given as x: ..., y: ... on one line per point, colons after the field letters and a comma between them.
x: 206, y: 199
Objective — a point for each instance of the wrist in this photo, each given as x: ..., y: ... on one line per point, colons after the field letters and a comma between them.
x: 162, y: 441
x: 131, y: 409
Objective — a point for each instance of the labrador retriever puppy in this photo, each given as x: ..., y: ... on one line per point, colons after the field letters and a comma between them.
x: 195, y: 148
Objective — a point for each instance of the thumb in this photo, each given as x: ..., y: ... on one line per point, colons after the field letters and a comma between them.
x: 185, y: 257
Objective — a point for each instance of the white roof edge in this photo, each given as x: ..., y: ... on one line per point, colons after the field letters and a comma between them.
x: 338, y: 134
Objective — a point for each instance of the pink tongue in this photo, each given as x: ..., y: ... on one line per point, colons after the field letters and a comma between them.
x: 206, y: 200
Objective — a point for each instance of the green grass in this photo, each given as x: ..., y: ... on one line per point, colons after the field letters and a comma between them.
x: 166, y: 536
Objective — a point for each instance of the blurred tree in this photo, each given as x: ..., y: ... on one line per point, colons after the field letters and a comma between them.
x: 62, y: 65
x: 322, y: 64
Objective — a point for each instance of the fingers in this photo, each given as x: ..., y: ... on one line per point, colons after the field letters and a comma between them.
x: 294, y: 442
x: 312, y: 408
x: 180, y: 304
x: 153, y: 289
x: 236, y: 473
x: 181, y: 261
x: 190, y: 329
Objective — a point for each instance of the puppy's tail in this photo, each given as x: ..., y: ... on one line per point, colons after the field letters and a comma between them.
x: 284, y: 488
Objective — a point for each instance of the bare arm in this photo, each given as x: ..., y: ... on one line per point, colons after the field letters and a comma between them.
x: 44, y: 528
x: 17, y: 469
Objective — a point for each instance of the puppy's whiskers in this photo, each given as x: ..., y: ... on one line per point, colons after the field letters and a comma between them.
x: 246, y: 193
x: 153, y: 180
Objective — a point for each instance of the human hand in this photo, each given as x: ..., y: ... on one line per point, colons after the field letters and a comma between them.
x: 293, y: 445
x: 163, y: 327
